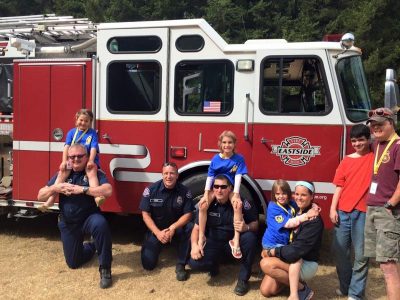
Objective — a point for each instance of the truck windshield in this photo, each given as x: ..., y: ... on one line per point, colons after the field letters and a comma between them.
x: 354, y: 87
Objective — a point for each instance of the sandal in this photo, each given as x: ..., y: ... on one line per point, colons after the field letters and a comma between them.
x: 44, y: 208
x: 100, y: 200
x: 236, y: 252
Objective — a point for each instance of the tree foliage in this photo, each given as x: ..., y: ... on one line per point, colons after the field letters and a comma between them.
x: 375, y: 23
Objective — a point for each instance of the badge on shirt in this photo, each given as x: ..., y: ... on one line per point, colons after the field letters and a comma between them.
x: 373, y: 188
x: 179, y: 200
x: 279, y: 219
x: 189, y: 194
x: 146, y: 192
x: 234, y: 168
x: 88, y: 140
x: 246, y: 205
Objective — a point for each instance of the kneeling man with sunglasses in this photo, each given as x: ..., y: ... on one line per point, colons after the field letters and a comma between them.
x: 79, y: 215
x: 220, y: 229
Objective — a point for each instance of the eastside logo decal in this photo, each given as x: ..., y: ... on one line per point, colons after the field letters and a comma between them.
x: 295, y: 151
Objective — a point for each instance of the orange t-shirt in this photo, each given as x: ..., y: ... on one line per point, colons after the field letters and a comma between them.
x: 354, y: 176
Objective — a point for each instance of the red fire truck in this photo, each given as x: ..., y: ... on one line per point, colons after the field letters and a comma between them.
x: 164, y: 91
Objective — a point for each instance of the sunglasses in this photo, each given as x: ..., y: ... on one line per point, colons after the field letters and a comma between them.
x: 79, y: 156
x: 170, y: 164
x: 379, y: 112
x: 222, y: 186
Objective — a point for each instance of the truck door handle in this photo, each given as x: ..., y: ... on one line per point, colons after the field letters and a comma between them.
x: 107, y: 137
x: 265, y: 141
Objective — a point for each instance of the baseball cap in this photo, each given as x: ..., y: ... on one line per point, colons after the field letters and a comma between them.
x: 380, y: 115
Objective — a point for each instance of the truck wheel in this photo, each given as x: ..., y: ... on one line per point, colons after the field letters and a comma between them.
x: 195, y: 183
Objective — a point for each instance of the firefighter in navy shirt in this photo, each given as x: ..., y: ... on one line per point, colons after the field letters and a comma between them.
x: 167, y: 209
x: 79, y: 215
x: 220, y: 229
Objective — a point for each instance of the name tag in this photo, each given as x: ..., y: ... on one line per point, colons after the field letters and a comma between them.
x: 214, y: 214
x: 373, y: 188
x: 156, y: 200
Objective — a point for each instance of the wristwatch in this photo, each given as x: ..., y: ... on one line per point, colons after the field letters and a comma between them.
x: 388, y: 205
x: 85, y: 190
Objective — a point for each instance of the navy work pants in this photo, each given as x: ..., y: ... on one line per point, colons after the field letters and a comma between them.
x: 76, y: 252
x: 152, y: 247
x: 215, y: 250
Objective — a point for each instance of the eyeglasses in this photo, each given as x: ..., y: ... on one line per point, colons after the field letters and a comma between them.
x: 220, y: 186
x: 79, y: 156
x: 381, y: 112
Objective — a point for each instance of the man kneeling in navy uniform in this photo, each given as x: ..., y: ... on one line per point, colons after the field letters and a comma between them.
x: 167, y: 209
x: 80, y: 215
x: 220, y: 229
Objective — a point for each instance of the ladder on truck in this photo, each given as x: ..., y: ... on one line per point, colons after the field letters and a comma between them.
x: 47, y: 29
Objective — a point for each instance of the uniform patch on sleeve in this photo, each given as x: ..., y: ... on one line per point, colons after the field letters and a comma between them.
x: 189, y: 194
x: 246, y: 205
x: 279, y: 219
x: 146, y: 192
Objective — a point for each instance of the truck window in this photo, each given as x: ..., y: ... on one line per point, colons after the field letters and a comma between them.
x: 189, y: 43
x: 204, y: 87
x: 133, y: 87
x: 134, y: 44
x: 354, y: 88
x: 294, y: 85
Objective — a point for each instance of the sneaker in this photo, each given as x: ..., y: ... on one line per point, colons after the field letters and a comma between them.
x: 241, y: 288
x: 351, y: 298
x: 306, y: 293
x: 339, y: 293
x: 181, y: 273
x: 105, y: 278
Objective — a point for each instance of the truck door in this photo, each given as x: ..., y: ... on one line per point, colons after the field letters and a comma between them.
x: 298, y: 129
x: 47, y: 96
x: 132, y: 110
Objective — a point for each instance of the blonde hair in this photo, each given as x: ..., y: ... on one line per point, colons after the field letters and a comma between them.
x: 85, y: 112
x: 229, y: 134
x: 284, y: 186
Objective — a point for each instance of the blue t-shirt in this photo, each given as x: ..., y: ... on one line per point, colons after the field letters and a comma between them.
x: 229, y: 167
x: 89, y: 140
x: 277, y: 216
x: 76, y: 208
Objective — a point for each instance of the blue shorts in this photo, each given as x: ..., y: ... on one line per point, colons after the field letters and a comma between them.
x: 265, y: 247
x: 308, y: 269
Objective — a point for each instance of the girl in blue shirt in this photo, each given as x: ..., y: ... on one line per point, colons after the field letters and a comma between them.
x: 281, y: 222
x: 87, y: 136
x: 232, y: 166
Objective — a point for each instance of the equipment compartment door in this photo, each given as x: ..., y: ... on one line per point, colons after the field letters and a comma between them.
x: 47, y: 96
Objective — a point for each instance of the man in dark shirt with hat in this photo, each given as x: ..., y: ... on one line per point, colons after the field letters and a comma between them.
x: 382, y: 225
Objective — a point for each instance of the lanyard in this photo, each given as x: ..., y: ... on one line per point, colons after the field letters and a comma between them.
x: 292, y: 213
x: 79, y: 138
x: 377, y: 163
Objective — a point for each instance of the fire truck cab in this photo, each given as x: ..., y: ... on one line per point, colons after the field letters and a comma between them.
x: 164, y: 91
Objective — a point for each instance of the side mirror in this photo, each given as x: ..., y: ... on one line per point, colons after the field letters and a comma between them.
x: 391, y: 90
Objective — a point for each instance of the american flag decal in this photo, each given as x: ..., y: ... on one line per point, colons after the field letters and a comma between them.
x: 212, y: 106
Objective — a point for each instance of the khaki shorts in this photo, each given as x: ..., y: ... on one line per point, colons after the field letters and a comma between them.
x: 382, y: 234
x: 308, y: 270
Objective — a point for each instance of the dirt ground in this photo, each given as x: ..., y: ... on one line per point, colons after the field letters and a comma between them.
x: 32, y: 266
